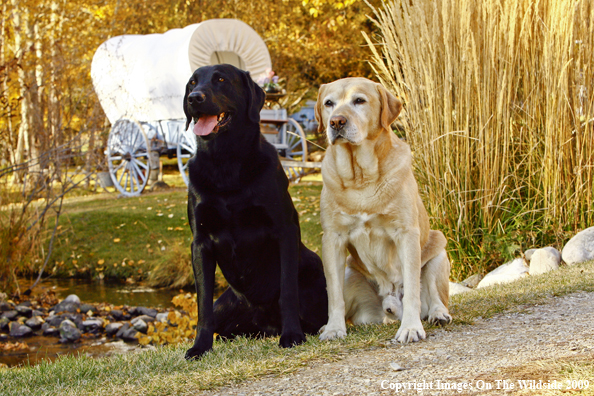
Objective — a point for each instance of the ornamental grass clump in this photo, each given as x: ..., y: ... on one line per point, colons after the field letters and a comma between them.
x: 499, y: 113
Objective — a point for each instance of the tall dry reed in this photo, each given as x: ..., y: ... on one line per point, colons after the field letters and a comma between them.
x: 499, y: 99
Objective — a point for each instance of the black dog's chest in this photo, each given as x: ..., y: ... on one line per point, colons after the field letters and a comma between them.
x: 244, y: 242
x: 221, y: 217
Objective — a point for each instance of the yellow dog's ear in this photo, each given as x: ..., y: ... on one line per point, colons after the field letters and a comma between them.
x: 390, y: 107
x: 318, y: 110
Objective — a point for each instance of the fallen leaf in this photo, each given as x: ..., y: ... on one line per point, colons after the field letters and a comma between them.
x: 170, y: 215
x: 100, y: 262
x: 141, y: 262
x: 116, y: 240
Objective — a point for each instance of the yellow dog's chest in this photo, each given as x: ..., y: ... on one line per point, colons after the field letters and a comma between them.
x: 374, y: 237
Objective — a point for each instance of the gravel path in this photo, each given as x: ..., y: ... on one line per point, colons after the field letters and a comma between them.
x: 477, y: 355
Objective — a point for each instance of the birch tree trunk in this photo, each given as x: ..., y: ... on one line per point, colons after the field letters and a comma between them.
x: 5, y: 92
x: 18, y: 16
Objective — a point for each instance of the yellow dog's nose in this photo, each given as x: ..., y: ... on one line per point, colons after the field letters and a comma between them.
x: 338, y: 122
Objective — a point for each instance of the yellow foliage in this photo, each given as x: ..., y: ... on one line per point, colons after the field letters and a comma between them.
x: 180, y: 327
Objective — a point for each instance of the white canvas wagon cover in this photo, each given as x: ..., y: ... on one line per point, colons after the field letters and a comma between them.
x: 144, y: 76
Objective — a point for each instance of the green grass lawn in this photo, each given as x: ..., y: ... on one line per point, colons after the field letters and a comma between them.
x: 164, y: 371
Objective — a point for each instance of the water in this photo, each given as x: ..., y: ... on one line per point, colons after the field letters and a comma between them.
x: 40, y: 348
x: 111, y: 292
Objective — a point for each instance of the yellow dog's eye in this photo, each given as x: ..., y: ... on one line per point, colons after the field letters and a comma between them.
x: 328, y: 103
x: 359, y: 100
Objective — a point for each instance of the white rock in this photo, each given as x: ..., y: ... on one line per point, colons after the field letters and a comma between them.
x: 544, y: 260
x: 161, y: 317
x: 472, y: 281
x: 396, y: 367
x: 505, y: 273
x: 580, y: 248
x: 528, y: 254
x: 456, y: 288
x: 73, y: 298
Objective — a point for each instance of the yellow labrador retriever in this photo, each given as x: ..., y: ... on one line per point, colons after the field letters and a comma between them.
x: 371, y: 208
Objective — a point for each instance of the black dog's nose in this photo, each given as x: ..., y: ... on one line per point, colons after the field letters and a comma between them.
x: 196, y: 97
x: 337, y: 122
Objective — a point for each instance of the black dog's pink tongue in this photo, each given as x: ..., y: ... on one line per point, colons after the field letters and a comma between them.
x: 205, y: 125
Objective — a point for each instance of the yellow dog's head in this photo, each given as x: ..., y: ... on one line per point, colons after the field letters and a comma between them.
x: 354, y: 109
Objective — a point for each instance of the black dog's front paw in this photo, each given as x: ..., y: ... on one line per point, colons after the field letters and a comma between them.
x: 290, y: 340
x: 199, y: 349
x: 195, y: 352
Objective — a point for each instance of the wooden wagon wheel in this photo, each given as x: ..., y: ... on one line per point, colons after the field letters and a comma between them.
x: 128, y: 157
x: 296, y: 141
x: 186, y: 148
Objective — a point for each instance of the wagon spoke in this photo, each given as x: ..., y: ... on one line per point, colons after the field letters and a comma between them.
x: 141, y: 154
x: 140, y: 163
x: 133, y: 144
x: 138, y: 172
x: 120, y: 166
x: 135, y: 177
x: 122, y: 176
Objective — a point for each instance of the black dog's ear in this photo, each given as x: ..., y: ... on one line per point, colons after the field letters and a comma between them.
x: 186, y: 110
x: 255, y: 96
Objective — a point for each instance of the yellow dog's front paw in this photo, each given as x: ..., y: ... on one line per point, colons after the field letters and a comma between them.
x: 440, y: 318
x: 410, y: 334
x: 332, y: 332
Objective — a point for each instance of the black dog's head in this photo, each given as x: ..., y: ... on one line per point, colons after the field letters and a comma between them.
x: 218, y: 95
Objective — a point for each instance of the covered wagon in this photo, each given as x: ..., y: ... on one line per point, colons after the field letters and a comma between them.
x: 140, y: 82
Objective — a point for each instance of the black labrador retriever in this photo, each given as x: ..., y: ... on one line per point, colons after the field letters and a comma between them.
x: 243, y: 219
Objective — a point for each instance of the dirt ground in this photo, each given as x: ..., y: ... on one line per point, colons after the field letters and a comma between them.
x: 492, y: 356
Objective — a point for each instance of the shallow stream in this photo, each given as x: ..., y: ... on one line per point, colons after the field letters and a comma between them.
x: 91, y: 292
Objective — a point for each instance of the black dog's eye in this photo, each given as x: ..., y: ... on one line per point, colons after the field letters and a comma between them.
x: 359, y: 100
x: 192, y: 82
x: 221, y: 79
x: 328, y: 103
